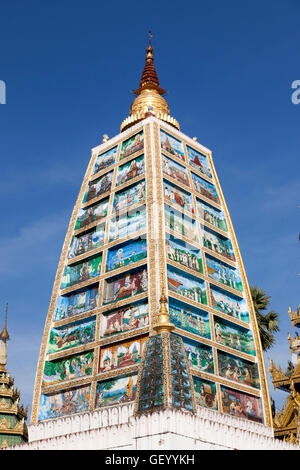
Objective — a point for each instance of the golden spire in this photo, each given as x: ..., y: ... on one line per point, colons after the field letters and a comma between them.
x: 149, y: 100
x: 163, y: 318
x: 4, y: 337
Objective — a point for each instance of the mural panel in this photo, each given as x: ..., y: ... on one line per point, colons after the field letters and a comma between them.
x: 130, y: 170
x: 184, y: 254
x: 205, y: 393
x: 91, y: 214
x: 228, y: 303
x: 128, y: 318
x: 186, y: 285
x: 127, y: 224
x: 64, y: 403
x: 86, y: 242
x: 212, y: 216
x: 234, y: 336
x: 241, y: 404
x: 99, y: 186
x: 199, y: 161
x: 116, y: 356
x: 125, y: 285
x: 217, y: 243
x: 132, y: 145
x: 106, y: 159
x: 175, y: 171
x: 68, y: 368
x: 223, y: 273
x: 72, y: 335
x: 178, y: 198
x: 189, y: 318
x: 180, y: 224
x: 238, y: 370
x: 171, y: 145
x: 116, y: 391
x: 199, y: 355
x: 81, y: 272
x: 78, y: 302
x: 204, y: 188
x: 133, y: 195
x: 126, y: 254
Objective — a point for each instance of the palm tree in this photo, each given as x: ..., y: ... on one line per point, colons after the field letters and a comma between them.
x: 267, y: 322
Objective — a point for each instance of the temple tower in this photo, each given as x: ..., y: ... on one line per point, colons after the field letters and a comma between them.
x: 287, y: 421
x: 13, y: 429
x: 151, y: 279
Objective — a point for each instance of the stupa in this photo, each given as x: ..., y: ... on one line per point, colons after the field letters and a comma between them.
x: 151, y: 340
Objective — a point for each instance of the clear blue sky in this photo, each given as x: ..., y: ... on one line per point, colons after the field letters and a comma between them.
x: 69, y: 67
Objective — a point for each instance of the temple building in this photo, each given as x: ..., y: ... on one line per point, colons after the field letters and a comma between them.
x: 151, y: 340
x: 13, y: 429
x: 286, y: 422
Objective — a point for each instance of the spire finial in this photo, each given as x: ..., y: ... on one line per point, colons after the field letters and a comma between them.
x: 150, y: 36
x: 4, y: 337
x: 163, y: 317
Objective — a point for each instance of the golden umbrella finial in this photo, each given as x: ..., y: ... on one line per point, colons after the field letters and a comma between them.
x: 163, y: 318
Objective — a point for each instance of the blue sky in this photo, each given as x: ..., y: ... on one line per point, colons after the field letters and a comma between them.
x: 69, y: 67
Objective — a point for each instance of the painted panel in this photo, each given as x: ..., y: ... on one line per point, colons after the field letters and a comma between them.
x: 73, y: 367
x: 132, y: 145
x: 130, y: 170
x: 64, y: 403
x: 178, y: 198
x: 211, y: 215
x: 116, y: 391
x: 99, y: 186
x: 72, y: 335
x: 205, y: 188
x: 180, y: 224
x: 172, y: 145
x: 189, y: 318
x: 242, y: 405
x: 199, y: 355
x: 106, y: 159
x: 127, y: 318
x: 126, y: 285
x: 223, y: 273
x: 185, y: 254
x: 234, y: 336
x: 217, y: 243
x: 229, y: 304
x: 175, y: 171
x: 127, y: 224
x: 205, y: 393
x: 78, y: 302
x: 186, y: 285
x: 81, y: 272
x: 199, y: 161
x: 116, y: 356
x: 88, y: 241
x: 238, y: 370
x: 92, y: 214
x: 133, y: 195
x: 126, y: 254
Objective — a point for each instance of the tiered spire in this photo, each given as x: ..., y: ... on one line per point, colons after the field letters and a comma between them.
x: 13, y: 429
x: 149, y: 100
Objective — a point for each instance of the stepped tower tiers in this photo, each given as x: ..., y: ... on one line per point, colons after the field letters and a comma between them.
x: 151, y: 319
x: 13, y: 429
x: 286, y: 423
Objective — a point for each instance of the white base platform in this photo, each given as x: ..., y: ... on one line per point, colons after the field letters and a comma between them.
x: 115, y: 428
